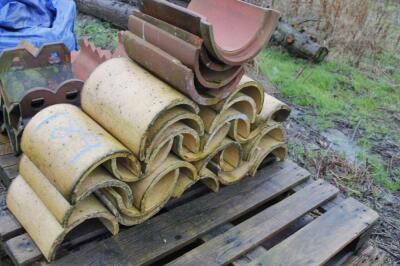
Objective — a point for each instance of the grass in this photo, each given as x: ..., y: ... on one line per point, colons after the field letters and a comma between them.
x: 339, y: 92
x: 101, y: 33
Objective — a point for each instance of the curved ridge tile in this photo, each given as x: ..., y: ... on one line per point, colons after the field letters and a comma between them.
x: 248, y: 90
x: 150, y: 193
x: 78, y: 147
x: 269, y: 146
x: 233, y: 31
x: 172, y: 71
x: 185, y: 47
x: 188, y: 176
x: 226, y: 162
x: 55, y: 202
x: 44, y: 228
x: 119, y: 89
x: 273, y: 110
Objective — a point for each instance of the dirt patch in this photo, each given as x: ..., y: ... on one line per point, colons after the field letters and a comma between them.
x: 332, y: 155
x: 312, y: 150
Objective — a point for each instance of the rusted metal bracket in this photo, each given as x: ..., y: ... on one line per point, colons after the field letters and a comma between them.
x: 233, y: 31
x: 31, y: 80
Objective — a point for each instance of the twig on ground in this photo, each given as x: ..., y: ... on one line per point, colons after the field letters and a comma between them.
x: 388, y: 250
x: 300, y: 72
x: 355, y: 130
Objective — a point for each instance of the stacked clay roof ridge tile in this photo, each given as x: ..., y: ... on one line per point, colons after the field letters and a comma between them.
x: 147, y: 130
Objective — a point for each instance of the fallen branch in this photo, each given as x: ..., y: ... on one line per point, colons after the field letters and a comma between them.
x: 298, y: 43
x: 116, y: 12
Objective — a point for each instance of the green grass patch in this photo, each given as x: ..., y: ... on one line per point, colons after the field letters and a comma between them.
x: 380, y: 174
x: 101, y: 33
x: 338, y: 91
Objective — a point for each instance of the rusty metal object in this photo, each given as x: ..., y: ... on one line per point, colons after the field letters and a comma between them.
x: 31, y: 80
x: 233, y: 31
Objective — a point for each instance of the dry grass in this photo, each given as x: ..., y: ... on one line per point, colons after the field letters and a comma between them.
x: 355, y: 29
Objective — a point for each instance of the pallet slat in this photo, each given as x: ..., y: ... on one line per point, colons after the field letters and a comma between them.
x: 163, y: 234
x: 247, y: 235
x: 9, y: 225
x: 5, y: 148
x: 262, y: 249
x: 23, y: 250
x: 185, y: 228
x: 4, y: 139
x: 8, y: 160
x: 7, y: 174
x: 258, y: 251
x: 348, y: 220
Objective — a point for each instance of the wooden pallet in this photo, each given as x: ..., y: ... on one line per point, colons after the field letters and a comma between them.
x: 8, y: 161
x: 279, y: 217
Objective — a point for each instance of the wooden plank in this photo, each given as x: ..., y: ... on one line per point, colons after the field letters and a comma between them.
x: 256, y: 252
x: 168, y: 232
x: 196, y: 191
x: 9, y: 160
x: 262, y: 249
x: 3, y: 204
x: 9, y: 226
x: 329, y: 205
x: 6, y: 149
x: 250, y: 256
x: 247, y: 235
x: 332, y: 231
x: 216, y: 232
x: 370, y: 256
x: 4, y: 139
x: 7, y: 174
x: 87, y: 231
x: 22, y: 250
